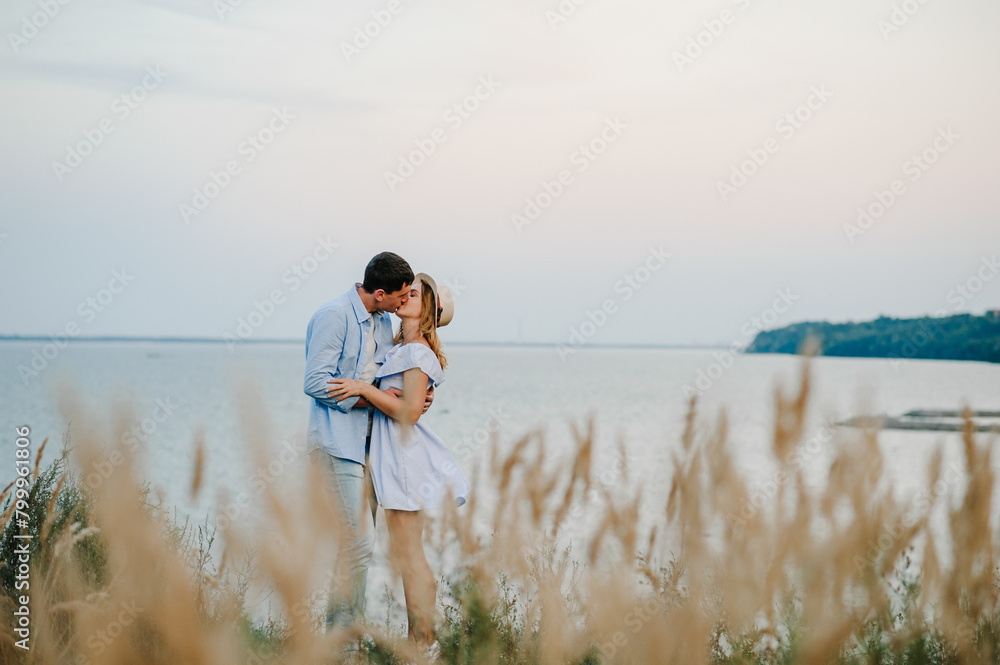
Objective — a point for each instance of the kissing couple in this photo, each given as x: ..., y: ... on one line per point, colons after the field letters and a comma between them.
x: 369, y: 388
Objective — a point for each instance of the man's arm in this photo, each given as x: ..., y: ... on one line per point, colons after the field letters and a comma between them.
x: 324, y: 347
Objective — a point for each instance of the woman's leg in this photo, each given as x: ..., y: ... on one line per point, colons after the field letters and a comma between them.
x: 406, y: 550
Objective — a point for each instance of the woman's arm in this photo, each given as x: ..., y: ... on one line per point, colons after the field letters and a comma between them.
x: 406, y: 409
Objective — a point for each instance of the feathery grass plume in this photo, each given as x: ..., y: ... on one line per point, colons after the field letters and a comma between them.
x: 47, y: 525
x: 38, y: 458
x: 199, y: 463
x: 579, y: 481
x: 5, y: 517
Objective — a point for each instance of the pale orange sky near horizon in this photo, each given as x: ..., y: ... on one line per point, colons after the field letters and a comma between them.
x: 886, y: 97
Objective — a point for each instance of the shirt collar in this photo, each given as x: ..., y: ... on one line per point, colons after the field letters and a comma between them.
x: 360, y: 311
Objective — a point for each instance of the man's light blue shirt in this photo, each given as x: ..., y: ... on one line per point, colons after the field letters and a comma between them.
x: 335, y: 342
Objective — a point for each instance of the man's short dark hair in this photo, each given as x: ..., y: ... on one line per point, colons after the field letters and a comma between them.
x: 387, y: 271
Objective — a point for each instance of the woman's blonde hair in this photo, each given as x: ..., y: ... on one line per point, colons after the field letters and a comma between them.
x: 428, y: 323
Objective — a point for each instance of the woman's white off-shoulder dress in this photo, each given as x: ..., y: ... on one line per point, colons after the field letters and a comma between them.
x: 415, y: 471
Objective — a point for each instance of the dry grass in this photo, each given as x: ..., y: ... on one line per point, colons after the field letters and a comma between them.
x: 815, y: 578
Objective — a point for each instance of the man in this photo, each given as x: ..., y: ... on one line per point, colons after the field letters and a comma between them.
x: 348, y: 337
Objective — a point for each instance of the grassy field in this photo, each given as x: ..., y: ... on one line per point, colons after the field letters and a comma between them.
x: 813, y: 578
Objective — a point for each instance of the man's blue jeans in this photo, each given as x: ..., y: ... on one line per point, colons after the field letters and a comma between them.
x: 354, y: 493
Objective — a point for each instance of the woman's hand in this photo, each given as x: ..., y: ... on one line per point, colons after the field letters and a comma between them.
x: 344, y: 388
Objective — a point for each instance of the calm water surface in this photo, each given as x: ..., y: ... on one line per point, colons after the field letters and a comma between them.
x: 633, y: 395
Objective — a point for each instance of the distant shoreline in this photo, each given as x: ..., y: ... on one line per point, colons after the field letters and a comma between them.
x: 219, y: 340
x: 956, y: 337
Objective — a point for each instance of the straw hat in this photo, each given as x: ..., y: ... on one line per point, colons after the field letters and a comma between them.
x: 442, y: 296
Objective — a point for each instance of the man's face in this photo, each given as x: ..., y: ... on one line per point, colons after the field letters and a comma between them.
x: 390, y: 302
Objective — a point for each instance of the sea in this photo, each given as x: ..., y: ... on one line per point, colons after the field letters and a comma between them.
x: 635, y: 399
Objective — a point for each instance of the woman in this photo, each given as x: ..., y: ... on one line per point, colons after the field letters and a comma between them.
x: 411, y: 467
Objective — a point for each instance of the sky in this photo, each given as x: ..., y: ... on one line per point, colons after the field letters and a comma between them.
x: 614, y: 171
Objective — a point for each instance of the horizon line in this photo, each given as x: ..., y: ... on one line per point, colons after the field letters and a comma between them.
x: 302, y: 340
